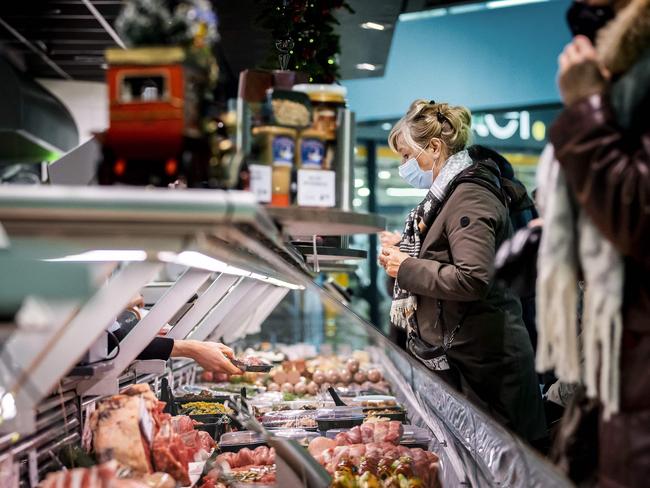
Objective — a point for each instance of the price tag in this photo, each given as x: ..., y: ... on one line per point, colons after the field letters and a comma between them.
x: 261, y: 182
x: 316, y: 188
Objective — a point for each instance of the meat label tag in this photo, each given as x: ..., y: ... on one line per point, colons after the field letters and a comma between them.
x: 146, y: 422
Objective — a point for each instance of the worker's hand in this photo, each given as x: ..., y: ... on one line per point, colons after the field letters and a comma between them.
x: 391, y: 259
x: 387, y: 239
x: 580, y: 72
x: 136, y: 301
x: 212, y: 356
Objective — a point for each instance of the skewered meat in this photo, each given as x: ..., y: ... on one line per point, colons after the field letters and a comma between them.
x: 374, y: 456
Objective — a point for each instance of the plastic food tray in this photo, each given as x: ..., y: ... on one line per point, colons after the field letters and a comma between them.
x: 416, y: 437
x: 339, y: 418
x: 290, y: 419
x: 374, y: 401
x: 234, y: 441
x: 252, y: 368
x: 301, y: 436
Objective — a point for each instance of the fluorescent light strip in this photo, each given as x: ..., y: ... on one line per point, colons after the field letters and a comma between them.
x: 103, y: 255
x: 373, y: 26
x: 467, y: 8
x: 425, y: 14
x: 367, y: 67
x: 463, y: 9
x: 384, y: 175
x: 199, y: 260
x: 406, y: 192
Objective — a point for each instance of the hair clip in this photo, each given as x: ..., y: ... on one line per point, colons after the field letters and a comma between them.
x: 432, y: 102
x: 441, y: 117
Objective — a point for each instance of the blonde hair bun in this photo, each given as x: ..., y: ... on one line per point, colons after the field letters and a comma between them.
x: 426, y: 120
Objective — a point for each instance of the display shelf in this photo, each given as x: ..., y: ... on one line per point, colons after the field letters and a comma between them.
x: 209, y: 233
x: 307, y: 221
x: 331, y: 254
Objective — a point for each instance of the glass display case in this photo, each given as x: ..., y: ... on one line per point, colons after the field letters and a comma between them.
x: 213, y: 266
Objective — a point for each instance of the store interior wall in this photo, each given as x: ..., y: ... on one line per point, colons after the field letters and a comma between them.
x: 490, y: 58
x: 87, y: 101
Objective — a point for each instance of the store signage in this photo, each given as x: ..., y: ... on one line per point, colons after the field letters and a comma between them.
x: 260, y: 182
x: 508, y: 129
x: 316, y: 188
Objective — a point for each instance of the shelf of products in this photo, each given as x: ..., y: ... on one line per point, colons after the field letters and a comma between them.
x: 217, y: 292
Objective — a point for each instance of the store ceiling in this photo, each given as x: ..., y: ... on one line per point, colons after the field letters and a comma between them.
x: 67, y: 38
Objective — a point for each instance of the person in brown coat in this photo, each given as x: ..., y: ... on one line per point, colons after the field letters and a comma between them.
x: 459, y: 323
x: 602, y: 141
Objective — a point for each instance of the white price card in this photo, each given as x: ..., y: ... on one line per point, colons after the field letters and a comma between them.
x: 261, y: 182
x: 316, y: 188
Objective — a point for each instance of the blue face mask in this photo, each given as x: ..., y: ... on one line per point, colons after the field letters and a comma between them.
x: 411, y: 172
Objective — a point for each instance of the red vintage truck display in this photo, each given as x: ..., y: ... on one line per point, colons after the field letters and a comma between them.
x: 156, y: 134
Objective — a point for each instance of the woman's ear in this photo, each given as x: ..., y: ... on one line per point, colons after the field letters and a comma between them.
x: 436, y: 147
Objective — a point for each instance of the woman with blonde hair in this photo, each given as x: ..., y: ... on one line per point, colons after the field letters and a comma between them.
x: 459, y: 322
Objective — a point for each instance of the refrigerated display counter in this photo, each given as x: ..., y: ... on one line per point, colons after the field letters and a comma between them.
x: 212, y: 265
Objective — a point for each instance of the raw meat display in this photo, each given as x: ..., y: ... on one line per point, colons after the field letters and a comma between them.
x: 256, y: 466
x: 105, y: 475
x: 132, y: 429
x: 390, y: 432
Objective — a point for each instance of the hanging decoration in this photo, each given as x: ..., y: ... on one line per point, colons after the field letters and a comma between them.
x: 305, y: 37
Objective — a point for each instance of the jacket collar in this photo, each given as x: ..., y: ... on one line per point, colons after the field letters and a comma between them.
x: 623, y: 41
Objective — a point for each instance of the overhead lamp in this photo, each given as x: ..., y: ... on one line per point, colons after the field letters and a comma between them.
x: 363, y: 192
x: 384, y: 175
x: 405, y: 192
x: 368, y: 67
x: 387, y: 126
x: 373, y: 26
x: 358, y: 182
x: 357, y: 202
x: 103, y: 255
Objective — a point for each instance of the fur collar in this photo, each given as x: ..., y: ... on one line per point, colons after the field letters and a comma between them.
x: 622, y: 42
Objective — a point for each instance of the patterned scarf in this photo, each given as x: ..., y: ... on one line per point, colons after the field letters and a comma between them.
x: 418, y: 222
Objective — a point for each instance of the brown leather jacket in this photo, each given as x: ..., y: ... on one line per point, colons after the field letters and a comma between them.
x: 603, y: 144
x: 604, y: 148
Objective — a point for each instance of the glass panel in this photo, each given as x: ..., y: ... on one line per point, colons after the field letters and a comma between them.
x: 143, y: 88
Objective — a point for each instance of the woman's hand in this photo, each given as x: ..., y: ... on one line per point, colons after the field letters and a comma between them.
x: 391, y: 258
x: 388, y: 239
x: 580, y: 72
x: 212, y: 356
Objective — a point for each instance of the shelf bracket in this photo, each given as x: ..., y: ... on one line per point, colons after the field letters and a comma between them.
x: 207, y: 301
x: 145, y: 330
x: 218, y: 314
